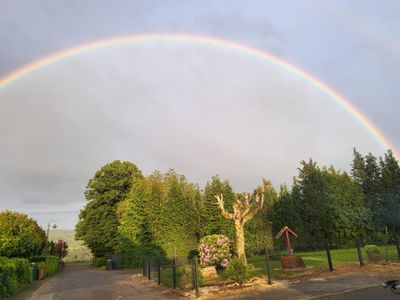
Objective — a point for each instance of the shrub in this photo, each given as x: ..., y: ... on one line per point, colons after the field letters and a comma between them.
x: 23, y: 270
x: 14, y: 274
x: 51, y: 265
x: 238, y: 271
x: 99, y: 262
x: 373, y: 252
x: 214, y: 251
x: 20, y: 236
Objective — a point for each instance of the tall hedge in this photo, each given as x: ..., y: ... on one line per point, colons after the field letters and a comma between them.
x: 160, y: 217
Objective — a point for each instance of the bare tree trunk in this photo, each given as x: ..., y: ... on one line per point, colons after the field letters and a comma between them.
x: 239, y: 229
x: 244, y: 209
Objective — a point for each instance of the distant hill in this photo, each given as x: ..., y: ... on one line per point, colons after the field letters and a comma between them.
x: 76, y: 250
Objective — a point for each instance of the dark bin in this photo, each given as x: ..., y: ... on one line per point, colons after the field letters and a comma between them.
x: 34, y: 271
x: 116, y: 261
x: 109, y: 265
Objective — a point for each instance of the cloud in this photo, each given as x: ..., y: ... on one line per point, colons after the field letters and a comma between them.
x: 200, y: 110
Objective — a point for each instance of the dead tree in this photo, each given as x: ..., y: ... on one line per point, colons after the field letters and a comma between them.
x: 245, y: 207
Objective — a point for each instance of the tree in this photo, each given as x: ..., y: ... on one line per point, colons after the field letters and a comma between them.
x: 212, y: 221
x: 98, y: 222
x: 160, y: 217
x: 20, y: 236
x: 245, y: 207
x: 390, y: 188
x: 257, y: 231
x: 59, y: 248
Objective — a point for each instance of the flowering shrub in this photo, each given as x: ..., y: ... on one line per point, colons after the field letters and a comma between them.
x: 214, y: 251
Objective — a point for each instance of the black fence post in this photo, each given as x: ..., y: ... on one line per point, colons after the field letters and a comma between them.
x: 360, y: 258
x: 144, y: 266
x: 268, y: 269
x: 398, y: 247
x: 149, y: 268
x: 159, y: 270
x: 328, y: 254
x: 196, y: 275
x: 174, y: 272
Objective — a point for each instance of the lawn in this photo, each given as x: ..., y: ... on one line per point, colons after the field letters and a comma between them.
x: 317, y: 261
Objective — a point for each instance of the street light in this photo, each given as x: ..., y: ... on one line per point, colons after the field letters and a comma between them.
x: 47, y: 237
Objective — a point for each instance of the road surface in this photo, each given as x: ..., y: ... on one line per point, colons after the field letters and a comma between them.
x: 78, y: 281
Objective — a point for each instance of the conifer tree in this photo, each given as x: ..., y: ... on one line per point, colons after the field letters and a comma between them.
x: 212, y: 220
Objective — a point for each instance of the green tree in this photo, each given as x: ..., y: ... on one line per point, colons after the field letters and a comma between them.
x: 160, y: 217
x: 20, y: 236
x: 212, y: 221
x: 390, y: 187
x: 98, y: 221
x: 258, y: 231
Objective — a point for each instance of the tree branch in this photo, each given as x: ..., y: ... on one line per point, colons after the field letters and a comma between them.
x: 220, y: 202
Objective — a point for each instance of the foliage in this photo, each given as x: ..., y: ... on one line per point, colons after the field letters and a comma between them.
x: 372, y: 249
x: 51, y: 265
x: 59, y: 248
x: 373, y: 252
x: 214, y: 251
x: 323, y: 204
x: 99, y: 262
x: 257, y: 232
x: 239, y: 272
x: 20, y: 236
x: 98, y: 222
x: 379, y: 180
x: 159, y: 217
x: 15, y: 274
x: 212, y: 220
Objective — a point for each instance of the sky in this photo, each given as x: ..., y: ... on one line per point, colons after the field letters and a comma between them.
x: 199, y: 109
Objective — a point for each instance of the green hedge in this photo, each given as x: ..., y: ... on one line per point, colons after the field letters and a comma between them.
x: 51, y: 265
x: 99, y: 262
x: 15, y: 273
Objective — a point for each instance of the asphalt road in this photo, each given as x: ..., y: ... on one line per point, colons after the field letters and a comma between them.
x: 370, y: 293
x: 348, y: 286
x: 78, y: 281
x: 84, y: 282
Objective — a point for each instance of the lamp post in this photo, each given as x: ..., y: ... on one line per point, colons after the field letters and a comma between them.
x: 47, y: 236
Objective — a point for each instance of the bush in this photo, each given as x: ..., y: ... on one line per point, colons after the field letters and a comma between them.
x: 14, y: 274
x: 238, y: 271
x: 214, y: 251
x: 51, y: 265
x: 373, y: 252
x: 99, y: 262
x: 20, y: 236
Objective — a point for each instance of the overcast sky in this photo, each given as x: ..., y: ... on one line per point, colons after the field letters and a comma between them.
x: 201, y: 110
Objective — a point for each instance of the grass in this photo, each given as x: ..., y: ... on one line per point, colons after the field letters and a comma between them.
x: 317, y: 261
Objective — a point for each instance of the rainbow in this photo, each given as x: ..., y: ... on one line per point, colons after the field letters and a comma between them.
x: 336, y: 96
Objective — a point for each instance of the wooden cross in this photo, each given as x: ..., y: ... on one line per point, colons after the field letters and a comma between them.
x: 286, y: 230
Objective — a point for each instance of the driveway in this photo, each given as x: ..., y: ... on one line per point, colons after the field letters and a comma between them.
x: 78, y: 281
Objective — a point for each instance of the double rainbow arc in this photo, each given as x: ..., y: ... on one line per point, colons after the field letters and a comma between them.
x: 342, y: 101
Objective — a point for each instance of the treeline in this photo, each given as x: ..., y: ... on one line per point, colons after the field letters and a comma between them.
x: 325, y: 203
x: 166, y: 214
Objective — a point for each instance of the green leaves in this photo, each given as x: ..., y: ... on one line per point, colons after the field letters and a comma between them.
x: 98, y: 222
x: 20, y: 236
